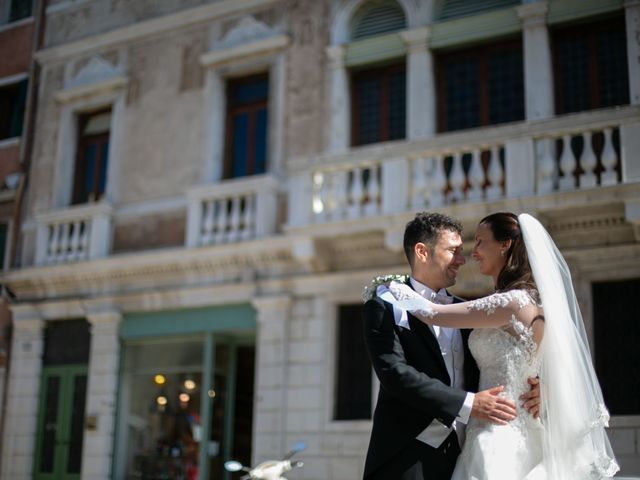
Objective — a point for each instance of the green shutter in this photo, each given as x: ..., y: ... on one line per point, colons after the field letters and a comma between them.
x: 462, y: 8
x: 375, y: 18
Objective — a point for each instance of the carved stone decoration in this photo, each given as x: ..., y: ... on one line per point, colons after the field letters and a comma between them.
x: 96, y: 70
x: 247, y: 30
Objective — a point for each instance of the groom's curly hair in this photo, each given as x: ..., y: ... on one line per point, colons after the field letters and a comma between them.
x: 426, y: 228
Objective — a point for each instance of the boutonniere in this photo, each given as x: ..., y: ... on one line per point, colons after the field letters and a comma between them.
x: 369, y: 291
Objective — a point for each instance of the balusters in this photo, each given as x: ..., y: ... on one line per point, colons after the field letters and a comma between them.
x: 248, y: 220
x: 208, y: 223
x: 372, y: 195
x: 324, y: 196
x: 85, y: 235
x: 439, y: 181
x: 546, y: 167
x: 356, y: 193
x: 475, y: 176
x: 608, y: 159
x: 221, y: 221
x: 567, y: 165
x: 419, y: 182
x: 456, y: 178
x: 234, y: 220
x: 494, y: 174
x: 75, y: 249
x: 340, y: 188
x: 588, y: 162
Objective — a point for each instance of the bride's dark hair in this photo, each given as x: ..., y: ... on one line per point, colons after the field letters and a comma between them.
x: 516, y: 272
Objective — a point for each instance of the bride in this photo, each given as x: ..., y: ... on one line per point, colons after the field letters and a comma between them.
x: 531, y: 325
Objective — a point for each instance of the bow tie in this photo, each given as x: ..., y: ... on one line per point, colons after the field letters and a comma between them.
x: 441, y: 299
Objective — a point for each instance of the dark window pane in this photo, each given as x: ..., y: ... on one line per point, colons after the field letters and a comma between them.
x: 20, y: 9
x: 93, y: 156
x: 397, y: 105
x: 12, y: 104
x: 590, y: 62
x: 353, y: 368
x: 50, y: 424
x: 616, y: 351
x: 77, y: 424
x: 613, y: 77
x: 463, y: 94
x: 3, y: 242
x: 506, y: 86
x: 247, y: 115
x: 66, y: 342
x: 261, y: 141
x: 379, y: 105
x: 243, y: 419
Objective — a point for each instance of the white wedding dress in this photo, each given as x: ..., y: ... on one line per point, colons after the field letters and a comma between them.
x: 505, y: 356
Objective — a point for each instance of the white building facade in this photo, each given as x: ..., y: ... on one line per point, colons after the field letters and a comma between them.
x: 214, y: 183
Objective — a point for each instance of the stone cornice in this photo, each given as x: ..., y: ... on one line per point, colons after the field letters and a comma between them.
x: 257, y: 48
x: 169, y: 268
x: 72, y: 94
x: 185, y: 18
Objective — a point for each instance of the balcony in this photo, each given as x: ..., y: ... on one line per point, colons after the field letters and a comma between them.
x: 571, y: 153
x: 73, y: 234
x: 232, y: 211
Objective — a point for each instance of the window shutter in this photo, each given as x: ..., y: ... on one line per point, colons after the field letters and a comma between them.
x: 461, y: 8
x: 375, y: 18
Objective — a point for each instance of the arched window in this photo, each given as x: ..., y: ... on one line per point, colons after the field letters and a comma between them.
x: 376, y: 17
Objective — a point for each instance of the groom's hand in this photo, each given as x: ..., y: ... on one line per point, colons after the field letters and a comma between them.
x: 531, y: 399
x: 488, y: 405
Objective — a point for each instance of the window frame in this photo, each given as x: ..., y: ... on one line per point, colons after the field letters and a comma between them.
x: 483, y: 52
x: 590, y: 30
x: 384, y: 123
x: 80, y: 163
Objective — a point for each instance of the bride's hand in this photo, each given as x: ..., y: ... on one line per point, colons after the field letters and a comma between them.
x: 411, y: 301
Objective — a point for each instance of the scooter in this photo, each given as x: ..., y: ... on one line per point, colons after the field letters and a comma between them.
x: 269, y: 470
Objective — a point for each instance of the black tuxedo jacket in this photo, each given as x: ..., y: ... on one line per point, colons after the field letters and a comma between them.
x: 414, y: 383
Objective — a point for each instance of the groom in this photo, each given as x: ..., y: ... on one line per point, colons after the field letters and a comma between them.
x: 426, y: 372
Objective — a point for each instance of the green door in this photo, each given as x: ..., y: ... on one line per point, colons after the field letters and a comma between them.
x: 61, y: 422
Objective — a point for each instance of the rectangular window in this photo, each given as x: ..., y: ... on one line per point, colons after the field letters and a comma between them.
x: 20, y: 9
x: 247, y: 122
x: 480, y: 86
x: 378, y: 106
x: 353, y: 367
x: 4, y: 232
x: 92, y: 156
x: 616, y: 351
x: 590, y: 64
x: 12, y: 104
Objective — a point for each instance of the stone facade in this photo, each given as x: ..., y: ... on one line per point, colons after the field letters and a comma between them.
x: 171, y: 235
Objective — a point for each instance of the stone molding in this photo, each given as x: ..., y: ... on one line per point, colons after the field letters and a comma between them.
x: 109, y: 86
x: 416, y: 39
x: 156, y: 26
x: 533, y: 14
x: 243, y: 52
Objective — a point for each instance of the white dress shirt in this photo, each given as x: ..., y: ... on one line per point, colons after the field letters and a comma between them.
x: 451, y: 347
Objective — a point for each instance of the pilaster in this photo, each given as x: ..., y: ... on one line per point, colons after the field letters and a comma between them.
x: 538, y: 82
x: 269, y: 436
x: 632, y: 15
x: 19, y: 436
x: 339, y: 134
x: 102, y: 386
x: 421, y: 110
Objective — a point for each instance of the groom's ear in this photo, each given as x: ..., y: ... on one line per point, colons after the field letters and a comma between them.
x: 420, y: 252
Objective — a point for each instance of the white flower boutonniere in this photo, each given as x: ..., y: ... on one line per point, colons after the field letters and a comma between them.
x: 369, y: 291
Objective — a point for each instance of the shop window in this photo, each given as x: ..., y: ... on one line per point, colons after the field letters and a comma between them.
x: 377, y: 17
x: 590, y: 66
x: 378, y: 104
x: 12, y: 105
x: 480, y: 86
x: 353, y: 367
x: 247, y: 122
x: 615, y: 346
x: 92, y: 156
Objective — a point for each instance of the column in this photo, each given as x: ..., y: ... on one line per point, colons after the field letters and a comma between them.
x: 339, y: 134
x: 269, y: 436
x: 100, y: 410
x: 421, y: 91
x: 632, y: 15
x: 23, y: 390
x: 538, y: 72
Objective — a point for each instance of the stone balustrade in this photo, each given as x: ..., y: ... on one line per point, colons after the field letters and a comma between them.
x: 231, y: 211
x: 73, y: 234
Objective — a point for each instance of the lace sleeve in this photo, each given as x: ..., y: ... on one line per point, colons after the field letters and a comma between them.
x: 518, y: 298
